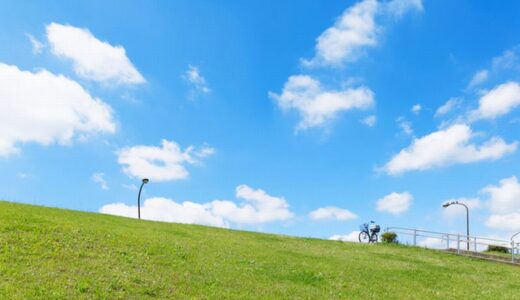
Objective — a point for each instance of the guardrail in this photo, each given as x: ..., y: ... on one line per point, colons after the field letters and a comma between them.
x: 460, y: 241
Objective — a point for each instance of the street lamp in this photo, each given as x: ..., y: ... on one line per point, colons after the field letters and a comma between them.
x: 445, y: 205
x: 145, y: 181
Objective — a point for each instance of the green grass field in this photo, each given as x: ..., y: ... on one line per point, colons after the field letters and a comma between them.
x: 51, y: 253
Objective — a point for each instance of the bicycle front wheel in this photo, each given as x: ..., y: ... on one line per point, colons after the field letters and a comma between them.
x: 373, y: 238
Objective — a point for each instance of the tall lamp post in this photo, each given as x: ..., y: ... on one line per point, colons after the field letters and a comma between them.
x: 445, y: 205
x: 144, y: 181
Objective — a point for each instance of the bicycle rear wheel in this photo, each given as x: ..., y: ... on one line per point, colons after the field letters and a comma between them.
x: 363, y: 237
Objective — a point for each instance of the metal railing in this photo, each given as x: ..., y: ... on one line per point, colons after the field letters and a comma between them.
x: 456, y: 241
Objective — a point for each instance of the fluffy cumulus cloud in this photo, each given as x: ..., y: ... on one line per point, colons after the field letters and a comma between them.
x: 504, y: 197
x: 167, y: 210
x: 355, y: 30
x: 317, y: 105
x: 93, y: 59
x: 257, y: 207
x: 498, y: 101
x: 509, y: 221
x: 395, y: 203
x: 444, y: 147
x: 332, y: 213
x: 504, y: 203
x: 350, y: 237
x: 193, y: 76
x: 45, y: 108
x: 165, y: 163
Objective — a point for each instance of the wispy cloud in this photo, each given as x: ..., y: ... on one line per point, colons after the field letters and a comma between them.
x: 37, y: 46
x: 100, y: 179
x: 197, y: 81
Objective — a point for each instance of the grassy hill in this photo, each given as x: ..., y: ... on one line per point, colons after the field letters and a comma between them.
x: 52, y: 253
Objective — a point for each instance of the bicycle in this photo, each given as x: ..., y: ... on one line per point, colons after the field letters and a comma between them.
x: 368, y: 234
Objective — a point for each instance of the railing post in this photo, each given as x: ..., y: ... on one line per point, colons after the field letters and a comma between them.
x: 512, y: 251
x: 475, y: 245
x: 415, y: 237
x: 448, y: 240
x: 458, y: 243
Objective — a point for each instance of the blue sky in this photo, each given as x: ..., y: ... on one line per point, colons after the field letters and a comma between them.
x: 256, y: 115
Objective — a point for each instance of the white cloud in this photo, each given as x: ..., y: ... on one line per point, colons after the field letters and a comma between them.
x: 370, y: 121
x: 479, y: 78
x: 355, y: 30
x: 165, y: 163
x: 455, y: 211
x: 93, y: 59
x: 167, y: 210
x: 503, y: 204
x: 508, y: 59
x: 259, y: 207
x: 509, y: 221
x: 351, y: 237
x: 416, y: 109
x: 444, y: 147
x: 46, y: 108
x: 332, y: 213
x: 505, y: 197
x: 400, y: 7
x: 37, y: 46
x: 405, y: 126
x: 395, y: 203
x: 497, y: 102
x: 317, y: 105
x: 131, y: 187
x: 193, y: 76
x: 433, y: 243
x: 447, y: 107
x: 100, y: 178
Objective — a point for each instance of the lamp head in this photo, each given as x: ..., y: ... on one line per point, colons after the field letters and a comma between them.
x: 145, y: 180
x: 446, y: 205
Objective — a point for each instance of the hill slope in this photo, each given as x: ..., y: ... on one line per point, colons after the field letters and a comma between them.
x: 53, y: 253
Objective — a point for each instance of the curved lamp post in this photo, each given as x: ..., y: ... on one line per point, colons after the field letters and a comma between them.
x: 145, y: 181
x: 445, y: 205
